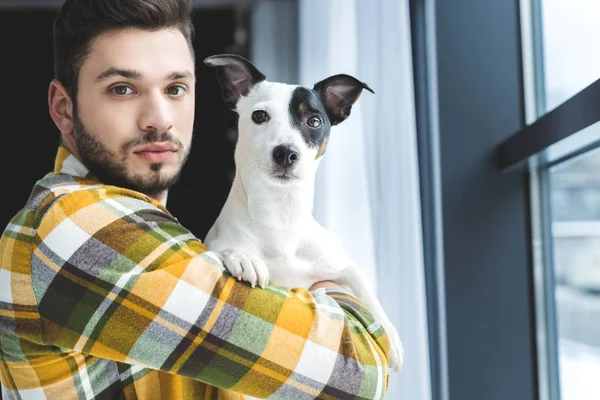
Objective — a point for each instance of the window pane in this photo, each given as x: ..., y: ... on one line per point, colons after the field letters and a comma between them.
x: 570, y: 36
x: 575, y: 208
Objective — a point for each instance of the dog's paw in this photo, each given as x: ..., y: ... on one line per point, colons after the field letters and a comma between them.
x: 396, y: 349
x: 246, y: 267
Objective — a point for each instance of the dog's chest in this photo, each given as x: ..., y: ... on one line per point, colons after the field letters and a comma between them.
x: 285, y: 266
x: 297, y: 263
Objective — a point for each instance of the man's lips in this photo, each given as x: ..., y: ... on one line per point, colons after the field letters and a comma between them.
x: 157, y: 152
x: 158, y: 147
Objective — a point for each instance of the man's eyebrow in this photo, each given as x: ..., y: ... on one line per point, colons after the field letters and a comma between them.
x: 136, y: 75
x: 180, y: 75
x: 125, y: 73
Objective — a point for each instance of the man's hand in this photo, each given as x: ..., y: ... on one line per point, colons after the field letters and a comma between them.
x: 325, y: 284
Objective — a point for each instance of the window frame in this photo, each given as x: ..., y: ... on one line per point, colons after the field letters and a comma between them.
x: 476, y: 232
x: 422, y: 19
x: 547, y: 139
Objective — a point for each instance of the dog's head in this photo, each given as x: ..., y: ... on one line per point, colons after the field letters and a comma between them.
x: 283, y: 129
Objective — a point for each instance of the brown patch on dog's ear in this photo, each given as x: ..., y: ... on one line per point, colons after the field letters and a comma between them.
x: 339, y: 93
x: 322, y: 148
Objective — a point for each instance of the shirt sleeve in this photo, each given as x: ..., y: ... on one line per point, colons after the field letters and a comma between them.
x: 119, y: 278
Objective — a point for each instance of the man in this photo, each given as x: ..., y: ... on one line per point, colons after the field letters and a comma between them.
x: 103, y: 294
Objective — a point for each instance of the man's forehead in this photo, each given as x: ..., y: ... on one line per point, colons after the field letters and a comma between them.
x: 151, y: 53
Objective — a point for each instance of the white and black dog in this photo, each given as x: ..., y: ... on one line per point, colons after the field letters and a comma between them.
x: 266, y: 230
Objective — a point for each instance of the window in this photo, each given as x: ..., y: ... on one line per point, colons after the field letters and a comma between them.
x: 571, y: 62
x: 560, y: 149
x: 575, y: 215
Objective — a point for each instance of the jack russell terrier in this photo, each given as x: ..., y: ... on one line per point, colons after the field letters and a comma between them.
x: 266, y: 230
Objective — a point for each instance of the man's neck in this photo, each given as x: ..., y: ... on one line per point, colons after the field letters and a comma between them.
x: 69, y: 145
x: 160, y: 197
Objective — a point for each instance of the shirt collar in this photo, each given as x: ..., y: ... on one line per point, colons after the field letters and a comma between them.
x: 67, y: 163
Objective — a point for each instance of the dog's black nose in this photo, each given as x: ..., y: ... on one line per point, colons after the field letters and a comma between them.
x: 286, y: 155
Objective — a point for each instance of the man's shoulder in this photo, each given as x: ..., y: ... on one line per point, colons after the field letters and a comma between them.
x: 74, y: 193
x: 44, y: 193
x: 55, y: 185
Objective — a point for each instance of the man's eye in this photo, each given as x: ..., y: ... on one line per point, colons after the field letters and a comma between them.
x: 176, y: 90
x: 122, y: 90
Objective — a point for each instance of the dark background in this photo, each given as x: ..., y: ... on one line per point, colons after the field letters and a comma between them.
x: 31, y: 139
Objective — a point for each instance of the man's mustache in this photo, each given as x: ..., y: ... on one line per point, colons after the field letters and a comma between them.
x: 153, y: 137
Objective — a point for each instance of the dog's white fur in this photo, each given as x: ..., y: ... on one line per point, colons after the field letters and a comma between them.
x: 266, y: 230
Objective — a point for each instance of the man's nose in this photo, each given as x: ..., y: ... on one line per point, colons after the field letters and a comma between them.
x: 157, y: 114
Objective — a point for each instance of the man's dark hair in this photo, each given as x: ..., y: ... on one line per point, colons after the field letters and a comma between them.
x: 79, y: 22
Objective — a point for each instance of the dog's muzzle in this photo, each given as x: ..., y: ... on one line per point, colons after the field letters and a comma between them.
x: 286, y: 155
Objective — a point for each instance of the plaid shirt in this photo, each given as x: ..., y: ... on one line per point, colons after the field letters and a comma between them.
x: 103, y: 294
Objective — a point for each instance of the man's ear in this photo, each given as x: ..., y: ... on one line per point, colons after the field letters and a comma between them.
x: 61, y: 107
x: 236, y: 75
x: 339, y: 93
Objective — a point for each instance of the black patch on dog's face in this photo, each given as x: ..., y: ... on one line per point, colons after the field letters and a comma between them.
x: 306, y: 103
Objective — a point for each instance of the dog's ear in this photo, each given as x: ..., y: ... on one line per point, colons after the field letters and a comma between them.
x: 339, y: 93
x: 236, y: 75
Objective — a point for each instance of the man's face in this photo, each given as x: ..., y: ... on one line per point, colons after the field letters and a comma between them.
x: 134, y: 113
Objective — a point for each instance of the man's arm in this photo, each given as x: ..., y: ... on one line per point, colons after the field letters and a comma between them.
x: 118, y: 278
x: 323, y: 284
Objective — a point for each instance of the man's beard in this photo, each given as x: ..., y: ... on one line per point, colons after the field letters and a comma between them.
x: 111, y: 168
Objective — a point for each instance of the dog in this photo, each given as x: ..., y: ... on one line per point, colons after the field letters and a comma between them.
x: 265, y: 230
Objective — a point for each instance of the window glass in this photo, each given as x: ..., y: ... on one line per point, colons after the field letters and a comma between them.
x: 571, y: 29
x: 575, y: 211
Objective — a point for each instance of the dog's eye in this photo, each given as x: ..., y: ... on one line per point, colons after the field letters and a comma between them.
x: 314, y: 122
x: 260, y: 116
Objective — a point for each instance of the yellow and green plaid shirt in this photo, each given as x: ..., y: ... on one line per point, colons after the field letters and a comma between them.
x: 104, y: 295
